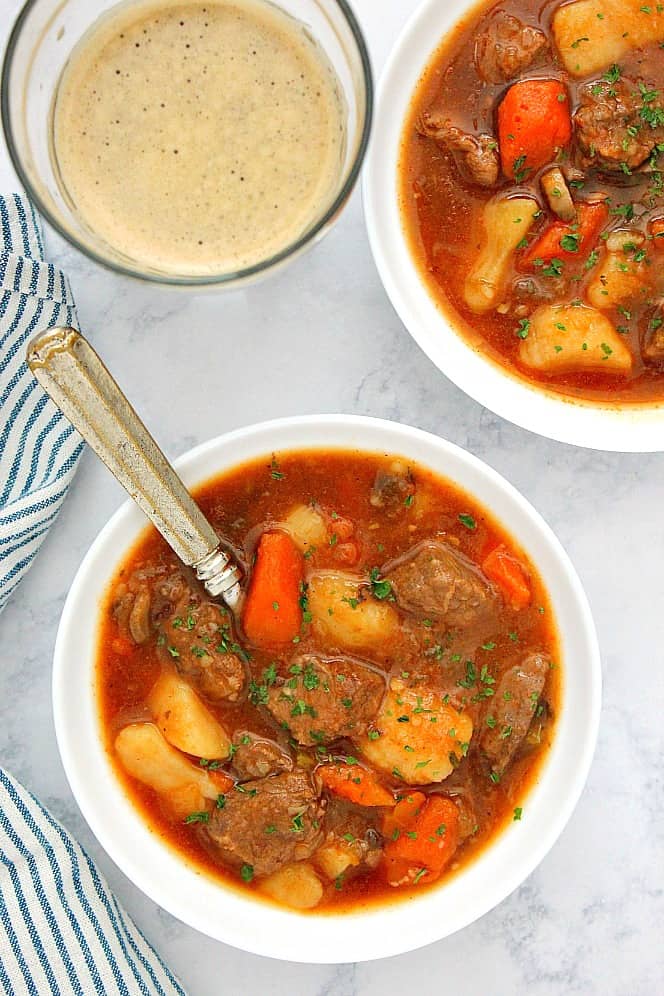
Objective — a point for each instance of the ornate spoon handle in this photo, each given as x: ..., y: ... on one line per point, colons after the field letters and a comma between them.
x: 69, y: 370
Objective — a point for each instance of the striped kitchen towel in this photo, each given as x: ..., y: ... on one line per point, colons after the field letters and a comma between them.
x: 61, y: 929
x: 39, y: 450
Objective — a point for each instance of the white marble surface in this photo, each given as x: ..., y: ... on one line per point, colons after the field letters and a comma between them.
x: 322, y: 337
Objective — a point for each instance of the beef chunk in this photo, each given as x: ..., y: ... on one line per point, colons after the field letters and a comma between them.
x: 507, y: 47
x: 653, y: 349
x: 476, y: 156
x: 511, y: 710
x: 351, y: 843
x: 258, y: 757
x: 191, y: 632
x: 198, y: 640
x: 392, y: 488
x: 611, y: 130
x: 133, y: 603
x: 435, y: 580
x: 324, y: 700
x: 269, y: 823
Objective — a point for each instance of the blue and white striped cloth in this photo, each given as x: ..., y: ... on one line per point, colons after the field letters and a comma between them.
x: 39, y: 449
x: 61, y: 929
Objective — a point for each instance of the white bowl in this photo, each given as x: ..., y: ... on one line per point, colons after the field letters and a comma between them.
x: 600, y: 426
x: 255, y: 926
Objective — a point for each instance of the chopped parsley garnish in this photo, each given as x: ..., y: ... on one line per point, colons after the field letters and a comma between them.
x: 521, y: 171
x: 554, y: 269
x: 380, y: 587
x: 247, y: 873
x: 518, y: 813
x: 310, y: 678
x: 297, y: 826
x: 570, y: 242
x: 524, y: 328
x: 624, y: 210
x: 201, y: 817
x: 467, y: 521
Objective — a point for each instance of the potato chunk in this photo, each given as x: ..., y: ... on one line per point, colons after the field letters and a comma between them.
x: 618, y: 280
x: 145, y: 755
x: 418, y: 733
x: 567, y: 339
x: 344, y: 613
x: 506, y: 221
x: 591, y: 35
x: 296, y: 885
x: 184, y: 721
x: 306, y: 526
x: 335, y: 858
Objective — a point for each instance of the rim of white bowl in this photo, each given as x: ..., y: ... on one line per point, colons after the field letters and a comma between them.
x: 383, y: 930
x: 629, y: 428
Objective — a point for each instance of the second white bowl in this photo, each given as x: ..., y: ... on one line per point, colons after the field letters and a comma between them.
x: 600, y: 426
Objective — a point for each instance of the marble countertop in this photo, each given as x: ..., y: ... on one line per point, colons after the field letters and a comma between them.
x: 588, y: 920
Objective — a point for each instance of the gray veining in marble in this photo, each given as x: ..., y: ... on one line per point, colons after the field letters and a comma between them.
x: 322, y: 337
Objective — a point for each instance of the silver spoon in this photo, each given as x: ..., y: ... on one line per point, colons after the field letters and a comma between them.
x: 69, y: 370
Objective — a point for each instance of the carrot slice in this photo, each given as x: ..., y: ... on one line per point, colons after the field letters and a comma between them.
x: 656, y: 228
x: 423, y: 835
x: 272, y: 611
x: 510, y: 576
x: 569, y: 241
x: 534, y: 122
x: 348, y: 781
x: 221, y: 780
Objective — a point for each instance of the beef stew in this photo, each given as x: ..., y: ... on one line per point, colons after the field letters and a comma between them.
x: 386, y: 717
x: 532, y: 193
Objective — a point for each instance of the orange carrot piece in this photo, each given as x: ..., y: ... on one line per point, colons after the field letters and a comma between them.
x: 510, y: 576
x: 533, y: 124
x: 272, y: 611
x: 221, y: 780
x: 349, y: 781
x: 569, y: 241
x: 656, y: 228
x: 422, y: 836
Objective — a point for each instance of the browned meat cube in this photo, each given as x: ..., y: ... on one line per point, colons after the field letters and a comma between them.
x: 511, y: 710
x: 507, y: 47
x: 351, y: 843
x: 476, y: 156
x: 435, y: 580
x: 653, y: 349
x: 324, y: 700
x: 609, y: 126
x: 191, y: 632
x: 268, y: 822
x: 198, y: 640
x: 393, y: 487
x: 258, y: 757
